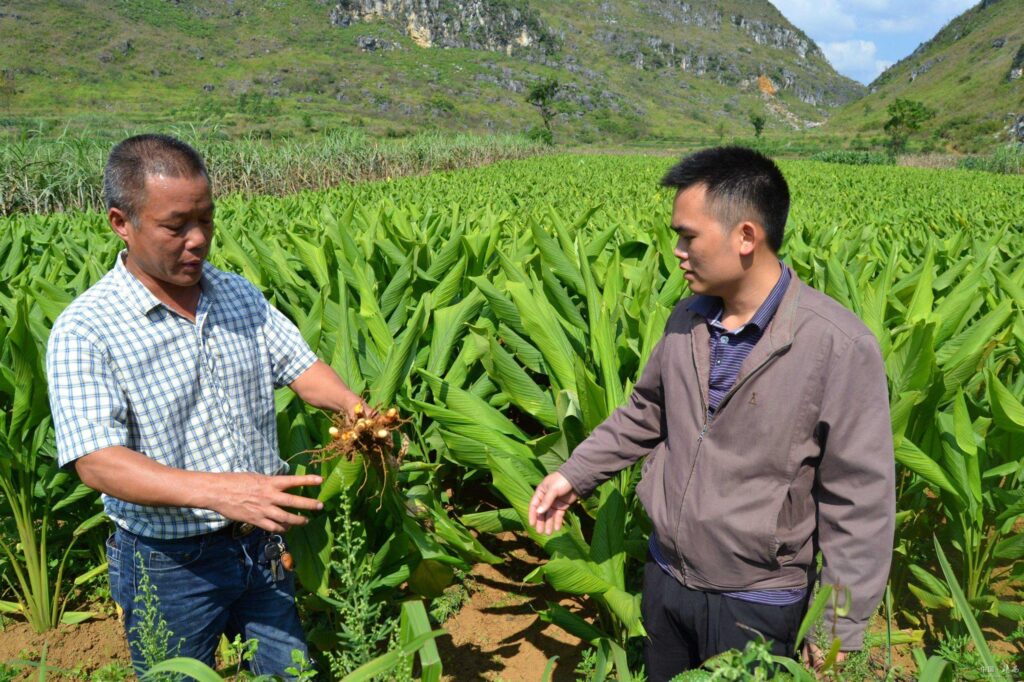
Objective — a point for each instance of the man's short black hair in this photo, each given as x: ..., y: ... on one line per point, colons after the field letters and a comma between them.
x: 742, y: 184
x: 131, y: 161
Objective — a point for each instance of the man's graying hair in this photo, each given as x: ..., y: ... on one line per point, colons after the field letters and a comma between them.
x: 132, y: 160
x: 742, y: 184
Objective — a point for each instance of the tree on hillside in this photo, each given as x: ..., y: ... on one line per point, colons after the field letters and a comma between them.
x: 542, y: 95
x: 905, y: 117
x: 758, y: 121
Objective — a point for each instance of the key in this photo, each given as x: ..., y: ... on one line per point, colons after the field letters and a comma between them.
x: 273, y: 551
x: 285, y: 557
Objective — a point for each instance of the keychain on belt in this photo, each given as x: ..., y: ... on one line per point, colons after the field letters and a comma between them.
x: 278, y: 556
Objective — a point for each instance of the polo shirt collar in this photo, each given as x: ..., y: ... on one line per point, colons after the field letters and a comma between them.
x: 710, y: 307
x: 144, y: 300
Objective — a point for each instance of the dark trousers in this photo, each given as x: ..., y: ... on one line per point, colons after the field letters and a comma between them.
x: 686, y: 627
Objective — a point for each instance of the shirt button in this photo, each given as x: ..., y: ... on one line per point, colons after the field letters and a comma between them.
x: 725, y: 339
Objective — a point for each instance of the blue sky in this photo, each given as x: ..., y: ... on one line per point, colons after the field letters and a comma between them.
x: 863, y: 37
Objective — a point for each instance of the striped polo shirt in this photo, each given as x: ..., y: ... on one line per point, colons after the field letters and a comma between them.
x: 729, y: 348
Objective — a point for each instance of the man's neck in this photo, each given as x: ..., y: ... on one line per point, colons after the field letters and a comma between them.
x: 182, y: 300
x: 750, y: 293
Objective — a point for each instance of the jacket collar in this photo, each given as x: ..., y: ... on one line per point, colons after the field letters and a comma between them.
x: 777, y: 338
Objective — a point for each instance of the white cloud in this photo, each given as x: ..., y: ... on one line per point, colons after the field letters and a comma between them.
x: 822, y: 18
x: 857, y: 59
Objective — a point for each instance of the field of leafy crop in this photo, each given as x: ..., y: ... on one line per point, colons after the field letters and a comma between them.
x: 506, y: 311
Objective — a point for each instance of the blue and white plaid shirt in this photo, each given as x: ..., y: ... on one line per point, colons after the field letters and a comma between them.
x: 123, y: 369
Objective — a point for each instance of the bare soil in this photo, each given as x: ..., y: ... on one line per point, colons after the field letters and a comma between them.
x: 498, y: 634
x: 70, y: 649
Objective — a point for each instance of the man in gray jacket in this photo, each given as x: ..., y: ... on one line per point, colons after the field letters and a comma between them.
x: 763, y: 414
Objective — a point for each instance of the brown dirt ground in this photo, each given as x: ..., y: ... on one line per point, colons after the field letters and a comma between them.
x: 82, y: 648
x: 498, y: 635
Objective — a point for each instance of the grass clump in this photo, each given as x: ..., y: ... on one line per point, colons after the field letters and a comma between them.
x: 1008, y: 160
x: 854, y: 158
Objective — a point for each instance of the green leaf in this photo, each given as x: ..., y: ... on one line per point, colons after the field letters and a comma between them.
x: 493, y: 521
x: 920, y: 307
x: 1011, y: 548
x: 571, y: 623
x: 466, y: 408
x: 520, y: 388
x: 76, y: 617
x: 189, y: 667
x: 400, y: 359
x: 1007, y: 410
x: 311, y: 546
x: 967, y: 614
x: 430, y: 578
x: 559, y: 263
x: 813, y: 615
x: 545, y: 331
x: 607, y: 548
x: 414, y: 623
x: 910, y: 456
x: 387, y: 662
x: 344, y: 475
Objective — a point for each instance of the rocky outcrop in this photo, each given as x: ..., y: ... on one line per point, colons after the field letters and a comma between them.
x: 373, y: 44
x: 779, y: 37
x: 1015, y: 131
x: 923, y: 68
x: 1017, y: 67
x: 508, y: 26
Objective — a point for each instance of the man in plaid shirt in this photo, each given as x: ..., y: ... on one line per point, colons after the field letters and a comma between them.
x: 162, y: 379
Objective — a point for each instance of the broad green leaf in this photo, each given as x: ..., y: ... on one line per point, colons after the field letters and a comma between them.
x: 521, y: 389
x: 1007, y: 410
x: 966, y: 613
x: 910, y: 456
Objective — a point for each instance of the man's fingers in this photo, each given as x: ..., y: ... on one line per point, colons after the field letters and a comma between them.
x: 538, y: 495
x: 299, y: 502
x: 286, y: 482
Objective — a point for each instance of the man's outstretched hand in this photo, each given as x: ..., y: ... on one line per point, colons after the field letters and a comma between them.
x: 549, y: 503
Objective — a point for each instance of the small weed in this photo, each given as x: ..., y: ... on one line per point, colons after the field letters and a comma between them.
x: 111, y: 672
x: 301, y: 669
x: 153, y: 635
x: 586, y: 669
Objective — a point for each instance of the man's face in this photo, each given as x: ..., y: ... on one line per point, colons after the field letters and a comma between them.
x: 171, y: 235
x: 708, y: 252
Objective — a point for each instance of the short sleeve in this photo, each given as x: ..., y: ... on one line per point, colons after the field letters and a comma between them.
x: 290, y: 355
x: 90, y: 411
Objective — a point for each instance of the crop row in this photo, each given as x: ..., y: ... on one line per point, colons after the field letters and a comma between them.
x: 507, y: 312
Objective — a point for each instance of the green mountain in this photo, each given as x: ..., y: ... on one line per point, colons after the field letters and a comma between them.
x: 971, y: 74
x: 627, y: 69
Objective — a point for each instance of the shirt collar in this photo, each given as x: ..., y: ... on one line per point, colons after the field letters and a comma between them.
x: 142, y: 298
x: 710, y: 307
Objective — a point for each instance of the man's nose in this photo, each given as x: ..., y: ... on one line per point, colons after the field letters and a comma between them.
x: 197, y: 238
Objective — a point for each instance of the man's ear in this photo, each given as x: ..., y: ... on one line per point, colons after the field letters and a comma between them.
x: 119, y: 222
x: 749, y: 235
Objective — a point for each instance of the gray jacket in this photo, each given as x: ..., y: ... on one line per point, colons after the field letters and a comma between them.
x: 797, y: 457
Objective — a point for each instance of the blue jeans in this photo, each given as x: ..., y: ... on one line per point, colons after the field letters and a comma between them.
x: 206, y: 586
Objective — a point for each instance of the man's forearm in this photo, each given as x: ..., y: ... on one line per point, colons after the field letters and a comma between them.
x: 131, y: 476
x: 320, y: 386
x: 240, y: 496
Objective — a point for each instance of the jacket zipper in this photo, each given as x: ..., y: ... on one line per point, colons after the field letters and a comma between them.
x: 703, y: 432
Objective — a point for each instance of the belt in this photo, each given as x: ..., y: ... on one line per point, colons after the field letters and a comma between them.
x: 236, y: 529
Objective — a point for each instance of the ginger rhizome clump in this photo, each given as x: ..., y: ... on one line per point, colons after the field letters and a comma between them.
x: 367, y: 433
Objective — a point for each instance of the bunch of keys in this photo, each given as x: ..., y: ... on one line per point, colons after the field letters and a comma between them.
x: 278, y: 556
